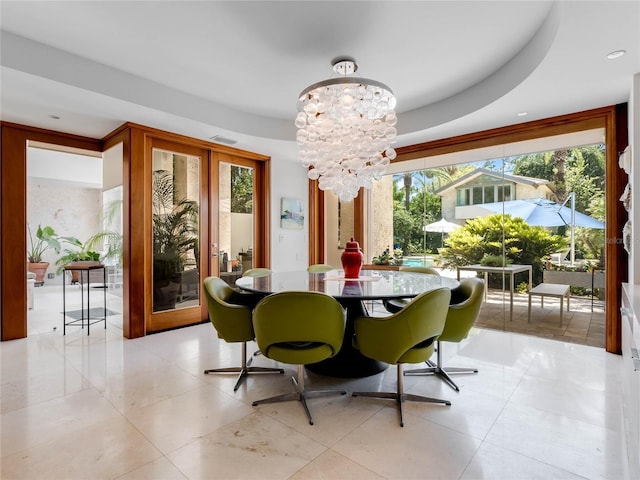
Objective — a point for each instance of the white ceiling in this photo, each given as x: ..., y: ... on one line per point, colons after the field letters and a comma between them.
x: 236, y: 68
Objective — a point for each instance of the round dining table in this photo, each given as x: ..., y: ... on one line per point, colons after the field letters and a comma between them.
x: 351, y: 293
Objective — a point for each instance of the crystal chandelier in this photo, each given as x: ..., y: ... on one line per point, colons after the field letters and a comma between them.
x: 346, y: 126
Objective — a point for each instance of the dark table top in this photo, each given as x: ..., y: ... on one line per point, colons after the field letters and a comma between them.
x: 371, y: 285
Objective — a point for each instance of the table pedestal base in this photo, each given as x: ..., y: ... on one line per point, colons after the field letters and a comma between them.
x: 349, y: 362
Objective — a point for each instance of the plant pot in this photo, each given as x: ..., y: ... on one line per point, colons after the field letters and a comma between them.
x: 40, y: 270
x: 96, y: 276
x: 165, y: 294
x: 575, y: 279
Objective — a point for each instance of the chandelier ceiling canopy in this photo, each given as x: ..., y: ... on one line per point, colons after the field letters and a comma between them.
x: 346, y: 126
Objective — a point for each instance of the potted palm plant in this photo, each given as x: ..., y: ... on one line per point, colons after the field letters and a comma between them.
x: 175, y: 234
x: 111, y: 237
x: 78, y: 253
x: 45, y: 239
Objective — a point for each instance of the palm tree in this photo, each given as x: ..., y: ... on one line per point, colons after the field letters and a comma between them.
x: 560, y: 157
x: 408, y: 180
x: 110, y: 239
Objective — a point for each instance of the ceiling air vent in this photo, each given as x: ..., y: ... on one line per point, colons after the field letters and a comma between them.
x: 221, y: 139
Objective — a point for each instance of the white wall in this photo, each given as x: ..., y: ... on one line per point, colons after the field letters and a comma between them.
x: 112, y: 167
x: 71, y: 211
x: 241, y: 234
x: 289, y: 248
x: 64, y: 192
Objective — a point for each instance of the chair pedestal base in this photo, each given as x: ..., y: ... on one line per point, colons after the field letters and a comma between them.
x: 436, y: 369
x: 300, y: 394
x: 244, y: 370
x: 400, y: 396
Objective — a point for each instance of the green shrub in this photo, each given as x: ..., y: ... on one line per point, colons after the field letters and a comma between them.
x: 495, y: 261
x: 498, y: 235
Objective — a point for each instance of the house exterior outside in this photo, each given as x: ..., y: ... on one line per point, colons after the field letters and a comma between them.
x: 460, y: 198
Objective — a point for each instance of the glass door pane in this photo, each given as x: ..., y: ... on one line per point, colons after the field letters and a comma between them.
x: 175, y: 230
x: 235, y: 220
x: 520, y: 213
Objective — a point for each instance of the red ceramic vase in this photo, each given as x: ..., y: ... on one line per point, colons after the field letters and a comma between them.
x: 352, y: 259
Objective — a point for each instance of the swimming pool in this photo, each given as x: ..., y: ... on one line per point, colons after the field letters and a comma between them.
x: 417, y: 261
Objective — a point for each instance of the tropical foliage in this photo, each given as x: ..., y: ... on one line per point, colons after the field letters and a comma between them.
x: 424, y: 208
x: 45, y: 239
x: 175, y: 227
x: 242, y: 189
x: 111, y: 237
x: 76, y: 250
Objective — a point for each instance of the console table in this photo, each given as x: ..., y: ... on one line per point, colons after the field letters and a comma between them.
x: 84, y: 270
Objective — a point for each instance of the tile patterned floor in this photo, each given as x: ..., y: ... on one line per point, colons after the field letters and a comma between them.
x: 579, y: 325
x: 79, y: 407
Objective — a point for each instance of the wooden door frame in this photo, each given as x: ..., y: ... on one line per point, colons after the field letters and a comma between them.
x: 137, y: 173
x: 13, y: 217
x: 317, y: 216
x: 13, y: 214
x: 261, y: 208
x: 614, y: 121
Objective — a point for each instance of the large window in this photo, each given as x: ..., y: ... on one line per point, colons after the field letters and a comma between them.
x: 482, y: 194
x: 442, y: 216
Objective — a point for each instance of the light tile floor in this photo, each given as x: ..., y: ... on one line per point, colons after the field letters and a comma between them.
x: 101, y: 406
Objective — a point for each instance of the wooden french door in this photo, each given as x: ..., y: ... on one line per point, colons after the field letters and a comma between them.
x: 178, y: 234
x: 237, y: 216
x: 172, y: 184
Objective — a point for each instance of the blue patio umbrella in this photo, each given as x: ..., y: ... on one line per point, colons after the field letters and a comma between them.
x: 541, y: 212
x: 545, y: 213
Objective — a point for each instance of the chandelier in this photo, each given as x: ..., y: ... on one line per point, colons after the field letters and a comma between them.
x: 346, y: 126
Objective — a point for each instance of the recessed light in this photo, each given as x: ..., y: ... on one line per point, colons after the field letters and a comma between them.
x: 55, y: 117
x: 522, y: 114
x: 616, y: 54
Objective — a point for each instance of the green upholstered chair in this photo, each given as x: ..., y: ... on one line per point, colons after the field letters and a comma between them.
x: 396, y: 304
x: 299, y: 327
x: 320, y: 268
x: 256, y: 272
x: 233, y: 324
x: 408, y: 336
x: 466, y: 301
x: 252, y: 299
x: 429, y: 270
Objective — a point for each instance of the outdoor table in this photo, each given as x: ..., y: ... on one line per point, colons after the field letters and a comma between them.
x: 509, y: 270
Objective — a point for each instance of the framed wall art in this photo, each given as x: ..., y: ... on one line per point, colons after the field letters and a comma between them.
x: 291, y: 214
